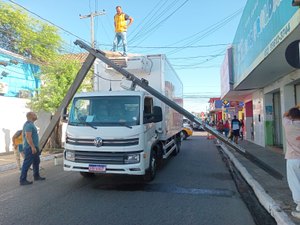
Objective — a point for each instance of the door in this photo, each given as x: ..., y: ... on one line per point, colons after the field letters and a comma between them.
x: 297, y: 94
x: 277, y: 132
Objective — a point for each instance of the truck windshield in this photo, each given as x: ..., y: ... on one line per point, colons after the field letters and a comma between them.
x: 105, y: 111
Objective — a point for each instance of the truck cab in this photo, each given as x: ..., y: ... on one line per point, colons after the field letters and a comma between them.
x: 111, y: 132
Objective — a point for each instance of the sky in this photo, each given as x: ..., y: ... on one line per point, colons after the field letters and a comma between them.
x: 194, y: 34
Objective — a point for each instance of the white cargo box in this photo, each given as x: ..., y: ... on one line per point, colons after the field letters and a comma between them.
x: 160, y: 75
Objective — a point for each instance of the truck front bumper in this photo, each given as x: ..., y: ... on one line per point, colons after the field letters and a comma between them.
x: 108, y: 164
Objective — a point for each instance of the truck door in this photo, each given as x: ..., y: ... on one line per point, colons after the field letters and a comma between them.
x: 149, y: 127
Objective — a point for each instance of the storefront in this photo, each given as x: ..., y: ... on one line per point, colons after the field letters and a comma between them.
x: 257, y: 72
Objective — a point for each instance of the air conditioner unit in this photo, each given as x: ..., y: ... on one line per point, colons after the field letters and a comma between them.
x: 135, y: 64
x: 3, y: 88
x: 120, y: 61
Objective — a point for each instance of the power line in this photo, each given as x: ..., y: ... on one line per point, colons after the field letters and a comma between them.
x: 151, y: 11
x: 194, y: 57
x: 175, y: 47
x: 48, y: 21
x: 207, y: 31
x: 148, y: 23
x: 162, y: 22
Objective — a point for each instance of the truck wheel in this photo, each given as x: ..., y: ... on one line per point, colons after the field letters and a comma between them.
x: 184, y: 135
x: 151, y: 171
x: 87, y: 174
x: 178, y: 146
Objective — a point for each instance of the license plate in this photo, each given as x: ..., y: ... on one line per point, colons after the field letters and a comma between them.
x: 97, y: 168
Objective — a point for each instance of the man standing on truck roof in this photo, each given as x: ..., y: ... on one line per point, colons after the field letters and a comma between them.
x: 120, y: 22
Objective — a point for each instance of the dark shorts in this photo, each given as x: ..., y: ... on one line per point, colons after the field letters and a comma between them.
x: 236, y: 132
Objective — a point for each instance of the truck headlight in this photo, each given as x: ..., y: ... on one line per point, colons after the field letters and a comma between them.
x: 70, y: 155
x: 132, y: 158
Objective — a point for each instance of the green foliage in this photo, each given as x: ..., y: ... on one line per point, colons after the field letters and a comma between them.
x: 57, y: 78
x: 27, y: 36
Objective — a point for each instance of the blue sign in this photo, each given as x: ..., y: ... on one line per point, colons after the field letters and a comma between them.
x: 261, y: 22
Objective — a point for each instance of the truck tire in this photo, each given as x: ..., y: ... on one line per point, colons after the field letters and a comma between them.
x: 151, y: 171
x: 87, y: 174
x: 178, y: 146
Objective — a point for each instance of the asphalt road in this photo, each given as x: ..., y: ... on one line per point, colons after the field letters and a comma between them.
x: 195, y: 187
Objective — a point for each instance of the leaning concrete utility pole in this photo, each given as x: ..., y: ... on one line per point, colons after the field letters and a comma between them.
x: 92, y: 15
x: 86, y: 66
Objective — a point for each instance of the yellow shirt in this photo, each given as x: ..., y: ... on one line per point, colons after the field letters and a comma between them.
x: 120, y: 22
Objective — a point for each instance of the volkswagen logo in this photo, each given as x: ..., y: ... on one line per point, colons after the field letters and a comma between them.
x: 98, y: 142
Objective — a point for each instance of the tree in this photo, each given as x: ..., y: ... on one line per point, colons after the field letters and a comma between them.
x: 27, y: 36
x: 40, y: 42
x: 57, y: 77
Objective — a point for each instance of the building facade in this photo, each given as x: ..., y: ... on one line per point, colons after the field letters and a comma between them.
x: 256, y: 72
x: 18, y: 82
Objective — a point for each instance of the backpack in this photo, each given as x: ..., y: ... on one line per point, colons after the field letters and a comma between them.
x: 17, y: 134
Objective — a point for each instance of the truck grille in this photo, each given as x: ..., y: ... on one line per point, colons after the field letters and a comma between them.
x: 105, y: 142
x: 100, y: 157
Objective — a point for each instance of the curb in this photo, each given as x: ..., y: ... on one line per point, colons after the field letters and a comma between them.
x: 266, y: 200
x: 12, y: 166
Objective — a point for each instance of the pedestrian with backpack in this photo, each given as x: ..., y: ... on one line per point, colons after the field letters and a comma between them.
x: 17, y: 141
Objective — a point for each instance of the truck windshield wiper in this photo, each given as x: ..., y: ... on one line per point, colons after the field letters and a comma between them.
x: 89, y: 124
x: 124, y: 124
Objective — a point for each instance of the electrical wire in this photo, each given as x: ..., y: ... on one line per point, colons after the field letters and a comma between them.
x: 69, y: 48
x: 135, y: 30
x: 103, y: 78
x: 206, y: 32
x: 66, y: 31
x: 151, y: 29
x: 147, y: 23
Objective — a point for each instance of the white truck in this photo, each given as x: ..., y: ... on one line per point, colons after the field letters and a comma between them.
x: 120, y: 128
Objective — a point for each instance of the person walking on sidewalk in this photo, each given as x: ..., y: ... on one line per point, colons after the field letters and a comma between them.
x: 31, y: 150
x: 17, y: 141
x: 120, y: 22
x: 235, y: 127
x: 226, y: 128
x: 291, y: 124
x: 220, y: 126
x: 242, y: 127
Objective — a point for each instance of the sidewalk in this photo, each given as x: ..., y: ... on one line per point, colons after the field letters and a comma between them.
x: 8, y: 160
x: 273, y: 194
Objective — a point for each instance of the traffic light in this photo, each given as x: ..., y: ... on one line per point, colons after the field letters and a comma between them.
x: 296, y: 3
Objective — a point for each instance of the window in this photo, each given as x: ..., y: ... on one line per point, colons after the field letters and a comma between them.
x: 105, y: 111
x: 148, y: 109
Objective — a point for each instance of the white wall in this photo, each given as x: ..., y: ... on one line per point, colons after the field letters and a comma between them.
x: 12, y: 117
x: 258, y: 118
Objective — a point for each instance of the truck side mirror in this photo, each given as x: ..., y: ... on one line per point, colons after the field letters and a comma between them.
x: 154, y: 117
x: 157, y: 114
x: 64, y: 116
